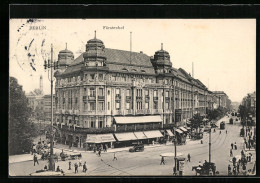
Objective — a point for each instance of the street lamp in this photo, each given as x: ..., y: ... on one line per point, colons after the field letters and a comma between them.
x: 51, y: 65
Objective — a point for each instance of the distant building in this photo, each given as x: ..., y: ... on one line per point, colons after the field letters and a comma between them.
x: 249, y: 101
x: 47, y: 107
x: 222, y: 100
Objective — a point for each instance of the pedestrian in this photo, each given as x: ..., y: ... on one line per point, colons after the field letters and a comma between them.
x: 58, y: 169
x: 69, y: 165
x: 231, y: 153
x: 162, y: 161
x: 220, y: 132
x: 232, y: 145
x: 35, y: 160
x: 226, y: 131
x: 238, y: 168
x: 229, y: 170
x: 189, y: 157
x: 99, y: 152
x: 105, y: 148
x: 85, y: 167
x: 234, y: 170
x: 76, y: 168
x: 80, y: 162
x: 45, y: 168
x: 214, y: 130
x: 234, y: 161
x: 235, y: 147
x: 115, y: 158
x: 201, y: 141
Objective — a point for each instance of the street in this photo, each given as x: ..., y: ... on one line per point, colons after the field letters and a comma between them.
x: 148, y: 161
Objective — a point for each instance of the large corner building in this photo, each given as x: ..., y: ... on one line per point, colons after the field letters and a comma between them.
x: 108, y: 90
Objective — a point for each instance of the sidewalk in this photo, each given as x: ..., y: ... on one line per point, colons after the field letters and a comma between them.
x: 20, y: 158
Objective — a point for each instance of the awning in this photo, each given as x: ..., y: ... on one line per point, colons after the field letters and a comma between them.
x: 140, y: 135
x: 125, y: 136
x: 178, y: 131
x: 183, y: 129
x: 138, y: 119
x: 91, y: 138
x: 153, y: 134
x: 169, y: 133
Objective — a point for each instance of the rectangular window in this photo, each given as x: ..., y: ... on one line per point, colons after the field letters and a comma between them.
x: 92, y: 122
x: 92, y: 92
x: 92, y: 106
x: 155, y: 93
x: 117, y: 105
x: 101, y: 92
x: 101, y: 106
x: 146, y: 105
x: 92, y: 76
x: 127, y: 106
x: 117, y: 91
x: 167, y: 94
x: 166, y: 105
x: 100, y: 122
x: 155, y: 105
x: 128, y: 92
x: 108, y: 106
x: 147, y: 92
x: 139, y: 105
x: 100, y: 76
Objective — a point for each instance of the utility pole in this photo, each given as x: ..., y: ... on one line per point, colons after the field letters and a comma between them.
x: 210, y: 145
x: 175, y: 152
x: 52, y: 65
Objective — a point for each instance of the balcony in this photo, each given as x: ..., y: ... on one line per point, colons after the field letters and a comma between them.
x: 139, y: 98
x: 128, y: 98
x: 91, y: 97
x: 141, y: 111
x: 167, y: 99
x: 118, y: 97
x: 156, y: 111
x: 101, y: 97
x: 147, y: 111
x: 84, y: 98
x: 155, y: 98
x: 147, y: 98
x: 116, y: 112
x: 129, y: 111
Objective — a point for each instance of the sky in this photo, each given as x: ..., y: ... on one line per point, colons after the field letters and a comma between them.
x: 223, y: 50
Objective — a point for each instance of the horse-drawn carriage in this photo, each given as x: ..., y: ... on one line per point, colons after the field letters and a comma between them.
x: 222, y: 125
x: 70, y: 155
x: 205, y: 169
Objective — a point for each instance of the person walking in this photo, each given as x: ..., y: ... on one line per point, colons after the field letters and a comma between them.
x: 229, y: 170
x: 234, y: 170
x: 45, y: 168
x: 226, y: 131
x: 235, y: 146
x: 69, y: 165
x: 80, y: 162
x: 162, y: 161
x: 234, y: 161
x: 85, y: 167
x: 231, y: 153
x: 35, y: 160
x: 76, y: 168
x: 214, y: 130
x: 58, y: 169
x: 220, y: 132
x: 238, y: 168
x: 115, y: 158
x: 99, y: 152
x: 189, y: 157
x: 232, y: 145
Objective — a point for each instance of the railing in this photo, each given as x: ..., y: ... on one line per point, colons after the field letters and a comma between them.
x: 147, y: 98
x: 117, y: 112
x: 155, y: 98
x: 118, y: 97
x: 139, y: 98
x: 101, y: 97
x: 156, y: 111
x: 141, y: 111
x: 130, y: 111
x: 84, y: 98
x: 91, y: 97
x: 128, y: 98
x: 147, y: 111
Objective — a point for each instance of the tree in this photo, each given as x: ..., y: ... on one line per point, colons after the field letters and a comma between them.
x: 196, y: 121
x: 21, y: 130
